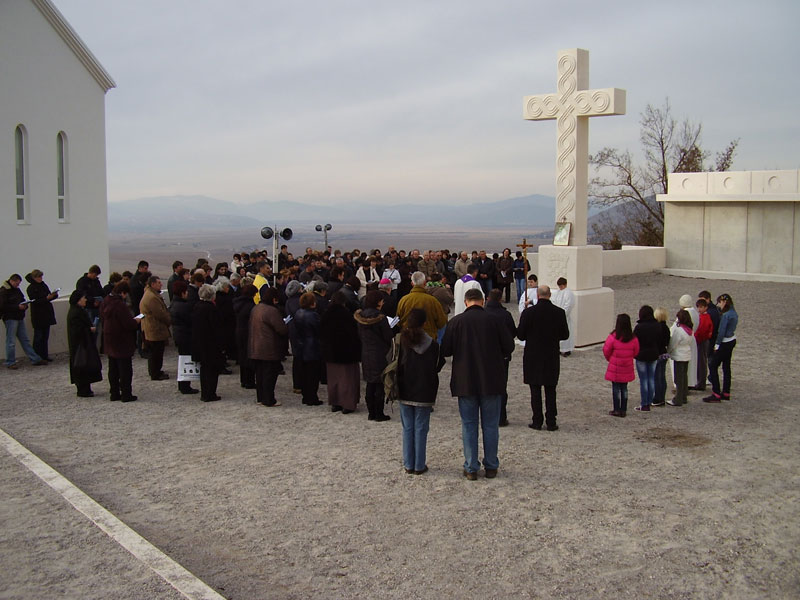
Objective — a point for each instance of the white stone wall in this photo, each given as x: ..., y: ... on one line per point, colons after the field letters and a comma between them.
x: 743, y: 224
x: 45, y: 87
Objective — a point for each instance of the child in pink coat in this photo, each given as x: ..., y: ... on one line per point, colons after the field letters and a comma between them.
x: 620, y: 349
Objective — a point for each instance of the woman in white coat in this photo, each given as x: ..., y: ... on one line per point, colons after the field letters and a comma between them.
x: 687, y: 304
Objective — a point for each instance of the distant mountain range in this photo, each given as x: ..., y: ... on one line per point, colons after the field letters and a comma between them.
x: 201, y: 213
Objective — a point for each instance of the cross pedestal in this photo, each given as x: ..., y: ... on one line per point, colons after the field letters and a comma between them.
x: 582, y: 265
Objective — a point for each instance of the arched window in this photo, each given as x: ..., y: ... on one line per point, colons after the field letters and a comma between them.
x: 21, y: 159
x: 61, y: 168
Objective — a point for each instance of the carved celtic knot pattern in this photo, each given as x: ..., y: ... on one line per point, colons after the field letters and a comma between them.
x: 543, y: 107
x: 567, y: 123
x: 592, y: 102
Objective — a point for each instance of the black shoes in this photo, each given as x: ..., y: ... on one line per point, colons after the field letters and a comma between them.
x: 379, y: 418
x: 536, y: 427
x: 89, y: 394
x: 190, y: 391
x: 336, y: 408
x: 425, y: 470
x: 491, y: 473
x: 130, y: 399
x: 503, y: 423
x: 552, y: 428
x: 160, y: 377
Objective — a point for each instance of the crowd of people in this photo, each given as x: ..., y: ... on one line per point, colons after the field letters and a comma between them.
x: 390, y: 319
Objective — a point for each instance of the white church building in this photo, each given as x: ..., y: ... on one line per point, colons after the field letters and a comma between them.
x: 52, y: 147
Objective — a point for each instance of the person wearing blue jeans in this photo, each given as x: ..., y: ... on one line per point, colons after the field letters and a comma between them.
x: 416, y: 422
x: 723, y: 351
x: 12, y: 309
x: 479, y: 349
x: 418, y: 366
x: 485, y: 409
x: 646, y: 370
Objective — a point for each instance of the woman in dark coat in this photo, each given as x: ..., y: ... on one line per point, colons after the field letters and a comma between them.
x: 341, y: 350
x: 294, y: 290
x: 648, y: 332
x: 181, y: 312
x: 42, y: 314
x: 242, y: 307
x: 350, y: 293
x: 119, y: 341
x: 206, y: 343
x: 376, y: 341
x: 84, y: 360
x: 505, y: 273
x: 306, y: 347
x: 417, y: 376
x: 227, y: 316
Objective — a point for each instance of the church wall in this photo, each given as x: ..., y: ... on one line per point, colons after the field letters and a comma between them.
x: 44, y: 87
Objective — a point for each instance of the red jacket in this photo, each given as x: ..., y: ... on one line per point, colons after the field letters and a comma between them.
x: 620, y: 357
x: 705, y: 330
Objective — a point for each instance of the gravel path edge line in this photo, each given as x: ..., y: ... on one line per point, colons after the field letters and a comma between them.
x: 173, y: 573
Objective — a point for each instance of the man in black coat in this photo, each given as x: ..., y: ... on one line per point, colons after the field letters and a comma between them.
x: 543, y: 326
x: 486, y: 270
x: 478, y: 347
x: 503, y: 318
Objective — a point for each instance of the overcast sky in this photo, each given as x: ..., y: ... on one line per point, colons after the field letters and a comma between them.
x: 325, y: 101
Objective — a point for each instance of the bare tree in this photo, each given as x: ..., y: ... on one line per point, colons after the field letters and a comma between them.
x: 669, y: 146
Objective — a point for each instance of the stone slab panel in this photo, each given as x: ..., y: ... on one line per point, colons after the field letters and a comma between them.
x: 581, y: 265
x: 593, y: 315
x: 796, y: 241
x: 683, y: 235
x: 777, y: 234
x: 755, y: 231
x: 725, y: 247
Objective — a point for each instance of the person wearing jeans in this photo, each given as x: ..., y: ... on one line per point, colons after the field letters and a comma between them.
x: 646, y: 371
x: 723, y: 351
x: 12, y: 309
x: 479, y: 348
x: 418, y: 366
x: 485, y: 409
x: 650, y: 334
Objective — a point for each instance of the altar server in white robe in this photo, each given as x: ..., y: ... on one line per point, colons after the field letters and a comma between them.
x: 565, y: 298
x: 530, y: 296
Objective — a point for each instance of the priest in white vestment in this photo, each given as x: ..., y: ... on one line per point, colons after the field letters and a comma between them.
x: 467, y: 282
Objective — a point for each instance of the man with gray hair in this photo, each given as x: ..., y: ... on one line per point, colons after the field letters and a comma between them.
x: 418, y: 297
x: 478, y: 347
x: 543, y: 326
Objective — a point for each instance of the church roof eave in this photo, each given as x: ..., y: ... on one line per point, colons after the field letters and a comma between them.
x: 67, y: 33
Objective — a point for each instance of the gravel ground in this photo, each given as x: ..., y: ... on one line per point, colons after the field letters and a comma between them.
x: 296, y: 502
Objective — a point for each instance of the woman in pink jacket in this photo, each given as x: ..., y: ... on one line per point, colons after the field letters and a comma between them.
x: 620, y: 349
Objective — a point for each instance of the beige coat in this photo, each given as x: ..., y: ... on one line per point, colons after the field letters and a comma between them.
x: 157, y: 321
x: 269, y: 335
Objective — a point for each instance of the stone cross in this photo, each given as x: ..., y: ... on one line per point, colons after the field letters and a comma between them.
x: 572, y: 106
